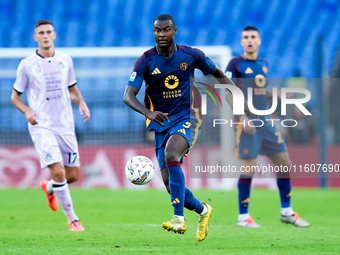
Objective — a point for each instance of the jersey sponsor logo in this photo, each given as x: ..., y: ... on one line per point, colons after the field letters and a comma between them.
x: 53, y: 84
x: 182, y: 130
x: 260, y: 80
x: 133, y: 76
x: 171, y: 82
x: 184, y: 66
x: 260, y: 91
x: 156, y: 71
x: 229, y: 74
x: 248, y: 70
x: 172, y: 93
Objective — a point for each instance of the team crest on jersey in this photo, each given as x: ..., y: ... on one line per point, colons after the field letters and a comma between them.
x: 133, y: 76
x: 61, y: 65
x: 184, y: 66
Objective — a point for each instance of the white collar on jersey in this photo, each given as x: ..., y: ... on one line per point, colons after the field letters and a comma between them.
x: 42, y: 56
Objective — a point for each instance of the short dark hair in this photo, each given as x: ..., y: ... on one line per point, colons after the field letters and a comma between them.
x: 250, y: 28
x: 166, y: 17
x: 43, y: 22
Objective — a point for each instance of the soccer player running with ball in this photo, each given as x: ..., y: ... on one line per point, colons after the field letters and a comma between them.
x: 48, y: 78
x: 167, y: 69
x: 250, y: 71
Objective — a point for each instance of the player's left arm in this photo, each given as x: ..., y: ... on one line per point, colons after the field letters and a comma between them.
x: 77, y: 99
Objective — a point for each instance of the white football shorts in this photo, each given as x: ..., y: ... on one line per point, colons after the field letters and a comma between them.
x: 53, y: 148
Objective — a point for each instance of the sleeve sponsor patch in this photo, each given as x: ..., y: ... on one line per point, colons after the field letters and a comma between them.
x: 133, y: 76
x: 229, y: 74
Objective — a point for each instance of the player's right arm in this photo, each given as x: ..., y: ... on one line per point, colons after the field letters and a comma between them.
x: 130, y: 98
x: 19, y: 104
x: 18, y: 88
x: 132, y: 88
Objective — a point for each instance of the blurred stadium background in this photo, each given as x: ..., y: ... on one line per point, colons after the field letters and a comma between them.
x: 300, y: 39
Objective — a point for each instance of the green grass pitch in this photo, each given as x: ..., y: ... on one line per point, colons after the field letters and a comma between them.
x: 129, y: 222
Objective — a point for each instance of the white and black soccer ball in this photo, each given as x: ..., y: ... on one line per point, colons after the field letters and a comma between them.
x: 139, y: 170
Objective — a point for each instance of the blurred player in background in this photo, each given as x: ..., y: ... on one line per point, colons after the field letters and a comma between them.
x: 166, y: 70
x: 250, y: 71
x: 48, y: 78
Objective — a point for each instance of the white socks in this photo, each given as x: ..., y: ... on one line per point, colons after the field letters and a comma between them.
x: 242, y: 217
x: 180, y: 217
x: 62, y: 193
x: 205, y: 209
x: 284, y: 212
x: 49, y: 186
x: 288, y: 211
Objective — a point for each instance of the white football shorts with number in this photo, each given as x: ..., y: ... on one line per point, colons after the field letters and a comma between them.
x: 53, y: 148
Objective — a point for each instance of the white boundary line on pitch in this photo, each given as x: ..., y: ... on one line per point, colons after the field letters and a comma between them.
x: 216, y: 226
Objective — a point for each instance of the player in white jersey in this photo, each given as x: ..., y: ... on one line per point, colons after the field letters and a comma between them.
x: 48, y: 78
